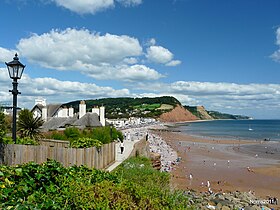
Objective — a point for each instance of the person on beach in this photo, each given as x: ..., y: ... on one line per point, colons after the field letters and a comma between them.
x: 122, y: 147
x: 249, y: 169
x: 147, y: 137
x: 208, y: 183
x: 191, y: 176
x: 202, y: 184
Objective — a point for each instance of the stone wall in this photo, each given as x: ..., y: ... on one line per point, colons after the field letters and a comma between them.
x: 141, y: 148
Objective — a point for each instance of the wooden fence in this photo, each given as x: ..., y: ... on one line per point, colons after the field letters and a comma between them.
x: 13, y: 154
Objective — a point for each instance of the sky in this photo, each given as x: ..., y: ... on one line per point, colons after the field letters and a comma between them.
x: 222, y: 54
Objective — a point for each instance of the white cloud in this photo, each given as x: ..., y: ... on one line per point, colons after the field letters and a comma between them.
x: 173, y: 63
x: 228, y: 97
x: 6, y: 55
x: 151, y: 42
x: 223, y: 89
x: 54, y: 90
x: 158, y: 54
x: 85, y: 6
x: 138, y: 73
x: 130, y: 60
x: 250, y: 99
x: 93, y: 6
x: 65, y: 49
x: 105, y: 57
x: 276, y: 55
x: 100, y: 56
x: 129, y: 3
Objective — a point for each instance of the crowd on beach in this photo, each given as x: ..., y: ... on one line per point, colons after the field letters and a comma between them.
x: 169, y: 157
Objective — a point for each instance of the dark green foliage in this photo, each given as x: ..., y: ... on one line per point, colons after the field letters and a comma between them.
x: 74, y: 135
x: 56, y: 135
x: 126, y: 107
x: 29, y: 126
x: 2, y: 127
x: 51, y: 186
x: 219, y: 115
x: 193, y: 110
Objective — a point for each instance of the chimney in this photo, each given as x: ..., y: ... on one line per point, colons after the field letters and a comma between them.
x: 71, y: 112
x: 64, y: 112
x: 40, y: 101
x: 95, y: 110
x: 102, y: 115
x: 45, y: 113
x: 82, y: 109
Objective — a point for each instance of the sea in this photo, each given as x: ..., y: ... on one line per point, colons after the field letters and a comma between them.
x: 233, y: 129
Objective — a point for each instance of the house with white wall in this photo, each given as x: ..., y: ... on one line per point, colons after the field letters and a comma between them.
x: 57, y: 116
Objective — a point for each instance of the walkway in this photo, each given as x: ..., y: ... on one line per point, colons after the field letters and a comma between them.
x: 128, y: 147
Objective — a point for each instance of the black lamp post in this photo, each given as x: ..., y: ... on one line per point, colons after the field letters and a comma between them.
x: 15, y: 69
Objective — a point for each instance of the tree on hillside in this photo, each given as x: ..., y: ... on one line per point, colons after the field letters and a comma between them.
x: 29, y: 126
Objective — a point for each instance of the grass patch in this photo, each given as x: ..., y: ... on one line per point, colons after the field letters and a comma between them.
x: 147, y: 107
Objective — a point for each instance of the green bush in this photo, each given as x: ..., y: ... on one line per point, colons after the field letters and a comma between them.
x: 27, y: 141
x: 72, y: 133
x: 85, y: 143
x: 102, y: 134
x: 57, y: 136
x: 52, y: 186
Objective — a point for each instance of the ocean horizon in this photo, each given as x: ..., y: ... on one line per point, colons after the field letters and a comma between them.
x: 256, y: 129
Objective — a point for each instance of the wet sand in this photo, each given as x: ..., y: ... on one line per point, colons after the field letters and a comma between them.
x: 225, y: 164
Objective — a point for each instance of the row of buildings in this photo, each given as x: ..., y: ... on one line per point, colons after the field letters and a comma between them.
x: 58, y: 116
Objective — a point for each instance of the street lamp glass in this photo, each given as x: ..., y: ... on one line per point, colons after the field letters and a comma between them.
x: 15, y: 68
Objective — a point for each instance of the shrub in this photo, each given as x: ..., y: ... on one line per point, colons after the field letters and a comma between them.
x: 102, y: 134
x: 58, y: 136
x: 27, y: 141
x: 52, y: 186
x: 85, y: 143
x: 28, y: 126
x: 72, y: 133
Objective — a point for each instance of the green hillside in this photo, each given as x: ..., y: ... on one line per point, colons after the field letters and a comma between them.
x: 146, y: 107
x: 194, y: 111
x: 214, y: 114
x: 219, y: 115
x: 130, y: 107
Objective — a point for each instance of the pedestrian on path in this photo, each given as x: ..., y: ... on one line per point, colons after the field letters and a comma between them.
x: 122, y: 147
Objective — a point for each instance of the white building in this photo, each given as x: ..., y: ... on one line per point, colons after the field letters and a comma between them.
x: 59, y: 115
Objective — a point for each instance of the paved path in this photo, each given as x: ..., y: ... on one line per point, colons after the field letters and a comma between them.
x: 128, y: 147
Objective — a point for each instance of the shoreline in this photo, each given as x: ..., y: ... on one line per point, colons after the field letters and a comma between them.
x: 225, y: 164
x: 174, y: 125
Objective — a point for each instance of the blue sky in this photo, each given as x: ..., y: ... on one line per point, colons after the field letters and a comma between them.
x: 224, y: 55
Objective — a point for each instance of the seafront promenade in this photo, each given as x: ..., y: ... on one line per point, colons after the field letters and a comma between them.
x: 128, y: 147
x: 131, y: 137
x: 157, y: 144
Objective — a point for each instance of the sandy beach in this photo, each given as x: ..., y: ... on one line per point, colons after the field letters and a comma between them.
x: 228, y: 165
